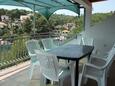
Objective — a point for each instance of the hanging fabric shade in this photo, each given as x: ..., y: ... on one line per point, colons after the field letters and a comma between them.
x: 10, y: 2
x: 45, y: 7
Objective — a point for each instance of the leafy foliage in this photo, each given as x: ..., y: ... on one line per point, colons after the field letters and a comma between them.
x: 43, y: 25
x: 99, y: 17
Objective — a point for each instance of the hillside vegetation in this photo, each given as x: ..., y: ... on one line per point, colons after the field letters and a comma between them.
x: 16, y: 27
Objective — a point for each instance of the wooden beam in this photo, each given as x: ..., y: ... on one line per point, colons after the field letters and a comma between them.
x: 96, y: 0
x: 85, y: 3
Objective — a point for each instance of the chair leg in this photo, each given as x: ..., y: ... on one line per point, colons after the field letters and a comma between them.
x: 85, y: 80
x: 61, y: 82
x: 52, y: 82
x: 31, y: 71
x: 82, y: 81
x: 101, y: 82
x: 42, y: 80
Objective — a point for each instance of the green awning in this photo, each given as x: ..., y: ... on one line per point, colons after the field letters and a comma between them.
x: 45, y: 7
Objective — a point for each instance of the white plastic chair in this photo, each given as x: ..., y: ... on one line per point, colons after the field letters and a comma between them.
x: 100, y: 60
x: 48, y: 44
x: 31, y: 45
x: 97, y: 69
x: 77, y: 41
x: 86, y: 41
x: 50, y: 68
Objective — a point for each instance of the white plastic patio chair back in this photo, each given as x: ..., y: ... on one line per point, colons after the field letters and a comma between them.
x: 90, y: 41
x: 79, y: 40
x: 108, y: 58
x: 31, y: 46
x: 87, y: 41
x: 111, y: 52
x: 49, y: 66
x: 98, y: 72
x: 48, y: 43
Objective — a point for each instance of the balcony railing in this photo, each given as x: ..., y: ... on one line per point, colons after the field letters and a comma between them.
x: 13, y: 49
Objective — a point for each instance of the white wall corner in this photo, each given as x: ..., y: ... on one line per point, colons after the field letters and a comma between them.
x: 88, y: 12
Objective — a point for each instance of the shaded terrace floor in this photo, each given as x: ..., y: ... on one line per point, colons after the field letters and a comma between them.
x: 22, y: 79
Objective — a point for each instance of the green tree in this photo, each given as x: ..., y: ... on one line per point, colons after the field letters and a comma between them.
x: 27, y: 26
x: 2, y: 12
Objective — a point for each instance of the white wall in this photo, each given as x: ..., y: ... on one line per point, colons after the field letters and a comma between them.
x: 103, y: 34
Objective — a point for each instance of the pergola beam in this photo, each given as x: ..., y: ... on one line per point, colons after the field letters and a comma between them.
x: 85, y: 3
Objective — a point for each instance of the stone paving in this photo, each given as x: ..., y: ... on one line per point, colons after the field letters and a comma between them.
x: 19, y: 75
x: 21, y: 78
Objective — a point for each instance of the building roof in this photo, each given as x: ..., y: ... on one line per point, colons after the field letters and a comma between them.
x: 66, y: 31
x: 3, y: 24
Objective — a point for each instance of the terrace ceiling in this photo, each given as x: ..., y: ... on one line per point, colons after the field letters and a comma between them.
x: 45, y: 7
x: 96, y: 0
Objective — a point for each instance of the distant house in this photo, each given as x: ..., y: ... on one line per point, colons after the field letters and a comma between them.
x: 61, y: 33
x: 2, y: 24
x: 69, y: 26
x: 24, y: 17
x: 65, y: 31
x: 56, y: 32
x: 4, y: 18
x: 58, y: 27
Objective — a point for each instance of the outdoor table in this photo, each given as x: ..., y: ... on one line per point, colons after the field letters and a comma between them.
x: 74, y: 53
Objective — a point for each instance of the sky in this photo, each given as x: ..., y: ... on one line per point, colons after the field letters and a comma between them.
x: 98, y: 7
x: 104, y: 6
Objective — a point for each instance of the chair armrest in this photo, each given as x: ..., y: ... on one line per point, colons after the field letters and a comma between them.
x: 46, y: 49
x: 32, y: 54
x: 94, y: 66
x: 98, y: 61
x: 98, y: 58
